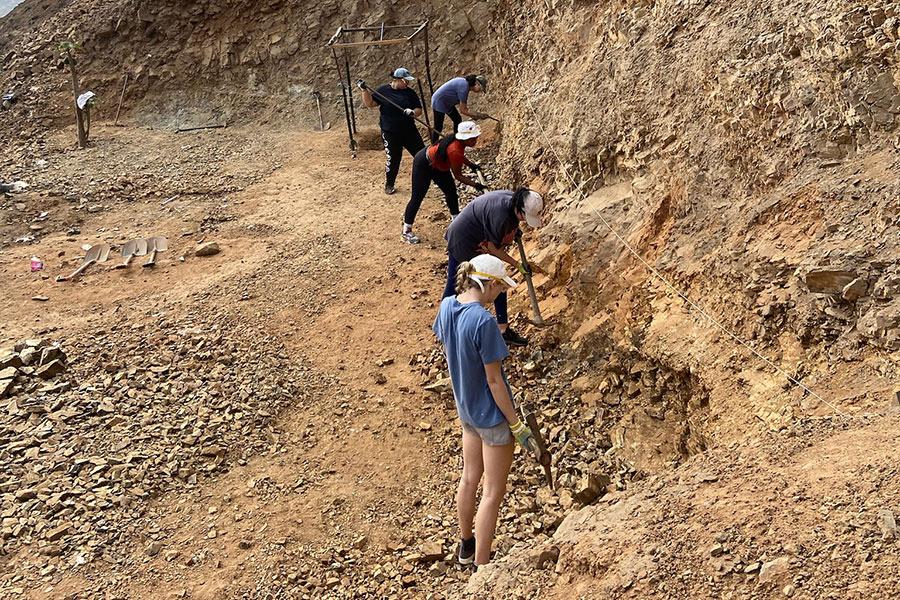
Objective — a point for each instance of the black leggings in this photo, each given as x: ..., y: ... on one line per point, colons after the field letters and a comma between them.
x: 394, y: 143
x: 422, y: 176
x: 439, y: 122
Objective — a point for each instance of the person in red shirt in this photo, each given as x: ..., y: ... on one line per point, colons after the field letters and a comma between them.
x: 441, y: 163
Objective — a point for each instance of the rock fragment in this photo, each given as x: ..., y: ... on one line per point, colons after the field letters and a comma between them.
x: 207, y: 249
x: 51, y: 369
x: 772, y: 570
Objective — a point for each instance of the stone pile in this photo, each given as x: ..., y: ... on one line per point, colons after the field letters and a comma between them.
x: 29, y: 366
x: 157, y: 406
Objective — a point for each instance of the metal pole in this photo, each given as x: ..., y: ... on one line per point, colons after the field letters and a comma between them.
x: 425, y: 104
x: 428, y: 63
x: 350, y: 87
x: 337, y: 64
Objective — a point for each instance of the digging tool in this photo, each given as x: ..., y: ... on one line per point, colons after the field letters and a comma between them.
x: 323, y: 126
x: 400, y: 108
x: 539, y: 448
x: 538, y: 319
x: 131, y: 249
x: 95, y: 254
x: 154, y: 245
x: 198, y: 128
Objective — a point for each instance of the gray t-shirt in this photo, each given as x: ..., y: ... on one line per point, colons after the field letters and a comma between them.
x: 450, y: 94
x: 487, y: 218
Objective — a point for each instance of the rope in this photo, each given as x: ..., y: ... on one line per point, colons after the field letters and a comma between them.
x: 669, y: 285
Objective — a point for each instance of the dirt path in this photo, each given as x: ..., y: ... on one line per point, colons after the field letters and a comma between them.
x: 311, y: 256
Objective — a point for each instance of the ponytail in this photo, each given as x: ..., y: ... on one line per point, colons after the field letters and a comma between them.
x: 463, y: 279
x: 443, y: 145
x: 518, y: 199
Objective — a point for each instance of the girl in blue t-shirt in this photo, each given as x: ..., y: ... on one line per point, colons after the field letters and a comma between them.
x: 475, y: 350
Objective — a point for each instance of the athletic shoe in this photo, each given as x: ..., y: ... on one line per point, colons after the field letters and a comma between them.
x: 466, y: 553
x: 512, y: 338
x: 389, y: 189
x: 409, y: 237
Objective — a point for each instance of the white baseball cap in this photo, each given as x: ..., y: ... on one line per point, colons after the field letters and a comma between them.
x: 533, y: 207
x: 489, y: 267
x: 468, y: 130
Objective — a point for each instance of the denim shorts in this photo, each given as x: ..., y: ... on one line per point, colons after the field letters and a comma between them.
x: 498, y: 435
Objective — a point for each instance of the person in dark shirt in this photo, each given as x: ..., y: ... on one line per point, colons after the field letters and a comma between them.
x: 488, y: 224
x: 398, y: 126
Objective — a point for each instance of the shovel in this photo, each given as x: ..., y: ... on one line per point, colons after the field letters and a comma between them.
x: 131, y: 249
x: 95, y: 254
x: 323, y: 126
x: 538, y: 448
x: 154, y: 245
x: 535, y: 307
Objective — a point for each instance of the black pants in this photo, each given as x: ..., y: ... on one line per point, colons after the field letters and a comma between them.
x: 439, y: 122
x: 394, y: 143
x: 422, y: 176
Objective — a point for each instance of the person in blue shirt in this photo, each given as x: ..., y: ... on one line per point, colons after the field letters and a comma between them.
x: 475, y: 350
x: 398, y: 125
x: 452, y: 100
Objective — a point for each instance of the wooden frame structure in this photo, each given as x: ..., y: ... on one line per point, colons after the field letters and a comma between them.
x: 347, y: 38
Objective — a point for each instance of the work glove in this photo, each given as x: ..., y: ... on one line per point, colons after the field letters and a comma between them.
x: 522, y: 434
x: 524, y: 269
x: 479, y: 187
x: 409, y: 112
x: 361, y: 84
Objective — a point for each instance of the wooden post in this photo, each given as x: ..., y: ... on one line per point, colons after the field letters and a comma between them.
x: 76, y: 91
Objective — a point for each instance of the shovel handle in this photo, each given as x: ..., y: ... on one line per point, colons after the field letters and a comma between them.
x: 535, y: 307
x: 126, y: 263
x: 152, y: 260
x: 77, y: 272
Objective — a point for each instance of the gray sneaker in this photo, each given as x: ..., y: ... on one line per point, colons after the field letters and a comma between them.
x: 409, y: 237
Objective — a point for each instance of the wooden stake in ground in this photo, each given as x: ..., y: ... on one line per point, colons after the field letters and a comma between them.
x: 68, y: 48
x: 121, y: 99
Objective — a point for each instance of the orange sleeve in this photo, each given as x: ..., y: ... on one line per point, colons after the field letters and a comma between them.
x: 456, y: 154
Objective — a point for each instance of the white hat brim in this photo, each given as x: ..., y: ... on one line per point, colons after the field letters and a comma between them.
x: 533, y: 220
x: 510, y: 282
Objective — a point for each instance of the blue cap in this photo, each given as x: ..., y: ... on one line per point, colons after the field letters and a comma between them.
x: 402, y: 73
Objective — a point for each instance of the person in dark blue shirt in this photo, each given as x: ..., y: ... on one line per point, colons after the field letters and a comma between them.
x: 488, y: 224
x: 398, y: 125
x: 475, y: 351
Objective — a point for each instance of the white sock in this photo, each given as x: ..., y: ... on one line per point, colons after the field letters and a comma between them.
x: 407, y: 227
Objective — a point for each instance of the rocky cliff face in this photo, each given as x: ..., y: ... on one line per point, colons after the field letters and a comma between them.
x: 748, y: 154
x: 237, y: 60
